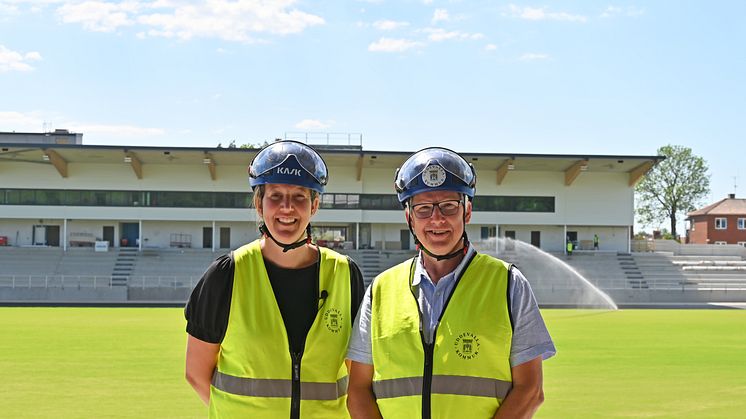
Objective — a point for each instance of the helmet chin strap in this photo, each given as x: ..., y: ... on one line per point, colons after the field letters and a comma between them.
x: 286, y: 247
x: 459, y: 252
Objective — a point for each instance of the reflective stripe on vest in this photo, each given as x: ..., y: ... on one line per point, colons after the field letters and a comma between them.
x: 471, y: 356
x: 258, y: 387
x: 254, y: 367
x: 443, y: 384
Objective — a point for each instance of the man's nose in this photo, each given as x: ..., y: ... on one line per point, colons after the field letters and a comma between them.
x: 437, y: 215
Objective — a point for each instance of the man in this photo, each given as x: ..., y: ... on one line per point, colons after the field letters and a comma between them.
x: 450, y: 333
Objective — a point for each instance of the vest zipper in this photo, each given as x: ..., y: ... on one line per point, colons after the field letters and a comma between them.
x: 427, y: 372
x: 427, y: 379
x: 295, y: 394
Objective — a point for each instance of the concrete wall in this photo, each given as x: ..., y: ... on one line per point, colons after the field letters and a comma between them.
x: 699, y: 249
x: 72, y: 295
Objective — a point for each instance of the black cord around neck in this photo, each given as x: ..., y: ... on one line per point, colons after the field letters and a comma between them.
x: 287, y: 247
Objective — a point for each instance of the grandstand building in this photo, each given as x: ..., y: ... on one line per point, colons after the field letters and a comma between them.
x: 84, y: 224
x: 71, y: 195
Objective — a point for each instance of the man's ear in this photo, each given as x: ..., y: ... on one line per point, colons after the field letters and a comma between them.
x: 467, y: 214
x: 406, y: 214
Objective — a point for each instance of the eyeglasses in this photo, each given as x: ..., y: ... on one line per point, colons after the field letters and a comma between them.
x: 446, y: 208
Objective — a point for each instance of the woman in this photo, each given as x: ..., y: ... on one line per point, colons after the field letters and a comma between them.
x: 269, y: 323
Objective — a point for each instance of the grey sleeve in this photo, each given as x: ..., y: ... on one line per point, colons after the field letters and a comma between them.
x: 530, y: 335
x: 361, y: 349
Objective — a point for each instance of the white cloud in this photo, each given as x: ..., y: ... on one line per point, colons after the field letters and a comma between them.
x: 611, y: 11
x: 530, y: 56
x: 537, y: 14
x: 238, y: 20
x: 20, y: 122
x: 231, y: 21
x: 15, y: 61
x: 615, y: 11
x: 311, y: 124
x: 15, y: 7
x: 440, y: 15
x: 99, y: 16
x: 440, y: 34
x: 393, y: 45
x: 7, y: 9
x: 389, y: 25
x: 490, y: 47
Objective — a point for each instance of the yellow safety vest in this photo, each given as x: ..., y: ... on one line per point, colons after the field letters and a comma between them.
x: 256, y: 376
x: 466, y: 369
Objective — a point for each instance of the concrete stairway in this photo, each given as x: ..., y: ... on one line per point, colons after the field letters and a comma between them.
x: 124, y: 265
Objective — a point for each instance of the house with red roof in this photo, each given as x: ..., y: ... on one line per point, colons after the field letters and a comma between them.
x: 723, y: 222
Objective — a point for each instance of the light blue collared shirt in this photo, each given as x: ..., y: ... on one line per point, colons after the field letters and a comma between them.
x: 432, y: 297
x: 530, y: 335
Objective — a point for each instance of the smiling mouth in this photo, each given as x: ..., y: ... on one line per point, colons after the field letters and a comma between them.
x: 286, y: 221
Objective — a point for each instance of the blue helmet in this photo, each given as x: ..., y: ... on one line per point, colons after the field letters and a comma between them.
x: 435, y: 169
x: 291, y: 163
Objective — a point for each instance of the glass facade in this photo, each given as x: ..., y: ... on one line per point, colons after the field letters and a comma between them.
x: 181, y: 199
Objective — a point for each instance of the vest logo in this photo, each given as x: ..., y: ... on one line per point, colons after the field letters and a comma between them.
x: 467, y: 345
x: 288, y: 171
x: 333, y: 320
x: 433, y: 176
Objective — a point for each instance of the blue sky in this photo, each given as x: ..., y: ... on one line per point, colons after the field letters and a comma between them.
x: 487, y: 76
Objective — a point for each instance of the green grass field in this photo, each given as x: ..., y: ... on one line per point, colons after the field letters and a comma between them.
x: 128, y: 362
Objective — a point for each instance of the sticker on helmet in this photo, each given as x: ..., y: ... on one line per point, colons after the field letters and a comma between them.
x: 433, y: 176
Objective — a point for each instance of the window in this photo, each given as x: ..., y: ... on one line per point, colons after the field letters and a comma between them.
x: 719, y: 243
x: 198, y: 199
x: 742, y: 223
x: 742, y: 244
x: 514, y: 203
x: 721, y: 223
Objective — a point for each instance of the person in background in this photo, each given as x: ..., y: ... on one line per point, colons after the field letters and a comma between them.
x: 452, y: 332
x: 269, y: 323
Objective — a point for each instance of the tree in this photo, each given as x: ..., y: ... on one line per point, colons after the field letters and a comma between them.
x: 252, y: 145
x: 674, y: 186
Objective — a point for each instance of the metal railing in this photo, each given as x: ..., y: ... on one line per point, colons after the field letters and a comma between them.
x: 327, y: 138
x: 98, y: 281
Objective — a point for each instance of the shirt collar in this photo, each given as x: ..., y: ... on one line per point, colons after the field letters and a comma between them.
x: 420, y: 272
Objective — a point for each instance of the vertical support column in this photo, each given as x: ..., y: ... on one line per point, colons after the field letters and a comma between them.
x: 629, y: 240
x: 564, y: 240
x: 213, y: 236
x: 357, y: 235
x: 64, y: 234
x: 497, y: 239
x: 139, y: 235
